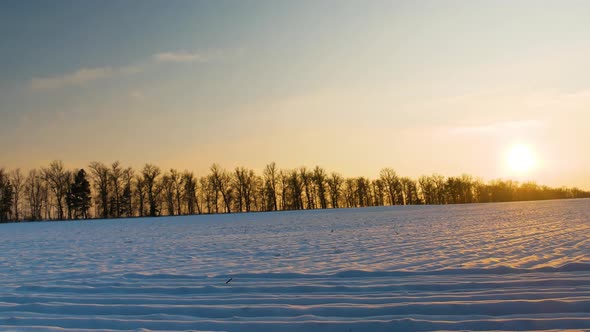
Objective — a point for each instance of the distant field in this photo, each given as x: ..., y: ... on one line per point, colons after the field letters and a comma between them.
x: 509, y: 266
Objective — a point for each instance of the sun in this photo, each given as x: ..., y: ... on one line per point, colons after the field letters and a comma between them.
x: 521, y: 159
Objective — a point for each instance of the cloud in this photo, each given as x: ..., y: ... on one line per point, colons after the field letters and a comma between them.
x: 181, y: 56
x: 184, y: 56
x: 89, y: 74
x: 81, y: 76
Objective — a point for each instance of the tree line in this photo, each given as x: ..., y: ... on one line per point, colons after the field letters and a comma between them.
x: 114, y: 191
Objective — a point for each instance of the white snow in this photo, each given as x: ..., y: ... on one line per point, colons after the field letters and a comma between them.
x: 513, y: 266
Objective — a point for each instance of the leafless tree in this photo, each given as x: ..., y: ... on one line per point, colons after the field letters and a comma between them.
x: 176, y: 179
x: 245, y: 181
x: 17, y: 180
x: 116, y: 179
x: 140, y: 193
x: 189, y: 184
x: 57, y: 179
x: 169, y: 194
x: 34, y: 194
x: 270, y: 182
x: 284, y: 181
x: 150, y: 174
x: 101, y: 177
x: 222, y: 184
x: 319, y: 179
x: 391, y: 183
x: 307, y: 183
x: 335, y: 187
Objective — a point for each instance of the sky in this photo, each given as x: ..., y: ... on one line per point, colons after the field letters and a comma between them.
x: 424, y: 87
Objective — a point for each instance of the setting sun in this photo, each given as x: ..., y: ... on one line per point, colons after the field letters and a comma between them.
x: 521, y: 159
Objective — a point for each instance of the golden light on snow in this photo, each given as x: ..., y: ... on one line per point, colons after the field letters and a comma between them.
x: 521, y: 159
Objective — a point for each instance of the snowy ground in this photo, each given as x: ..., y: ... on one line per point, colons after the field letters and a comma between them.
x: 514, y: 266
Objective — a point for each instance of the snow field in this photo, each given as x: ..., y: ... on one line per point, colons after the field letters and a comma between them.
x: 504, y: 267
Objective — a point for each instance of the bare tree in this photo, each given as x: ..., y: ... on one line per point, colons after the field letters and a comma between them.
x: 245, y: 180
x: 270, y: 182
x: 378, y: 190
x: 209, y: 193
x: 17, y: 179
x: 140, y: 193
x: 150, y: 174
x: 306, y: 181
x: 428, y: 189
x: 176, y: 179
x: 34, y: 194
x: 101, y: 176
x: 169, y: 195
x: 295, y: 191
x: 362, y: 192
x: 410, y: 191
x: 222, y: 184
x: 391, y: 183
x: 319, y: 179
x: 189, y: 184
x: 349, y: 189
x: 335, y: 186
x: 57, y: 179
x: 116, y: 179
x: 284, y: 180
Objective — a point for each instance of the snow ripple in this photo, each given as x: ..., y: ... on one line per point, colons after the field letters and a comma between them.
x: 504, y: 267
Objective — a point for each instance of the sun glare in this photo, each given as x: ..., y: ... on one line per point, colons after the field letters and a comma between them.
x: 521, y: 159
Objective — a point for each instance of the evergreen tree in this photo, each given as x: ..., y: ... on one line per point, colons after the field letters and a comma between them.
x: 6, y: 196
x: 79, y: 195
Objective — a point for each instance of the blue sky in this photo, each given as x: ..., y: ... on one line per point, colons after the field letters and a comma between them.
x: 354, y: 86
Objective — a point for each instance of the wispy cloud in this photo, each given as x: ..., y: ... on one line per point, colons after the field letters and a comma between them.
x: 81, y: 76
x: 184, y: 56
x: 88, y: 74
x: 181, y: 56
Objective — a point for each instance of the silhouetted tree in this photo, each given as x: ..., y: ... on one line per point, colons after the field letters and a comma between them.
x: 244, y: 182
x: 169, y: 193
x: 349, y: 189
x: 101, y: 177
x: 391, y: 183
x: 176, y: 179
x: 150, y: 174
x: 126, y: 200
x: 17, y: 180
x: 335, y: 187
x: 294, y: 191
x: 78, y: 198
x: 284, y: 181
x: 221, y: 181
x: 34, y: 194
x: 270, y: 183
x: 56, y: 193
x: 57, y: 179
x: 190, y: 193
x: 116, y: 180
x: 6, y: 196
x: 307, y: 183
x: 319, y: 180
x: 378, y: 190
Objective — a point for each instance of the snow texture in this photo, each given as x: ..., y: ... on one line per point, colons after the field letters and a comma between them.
x: 513, y: 266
